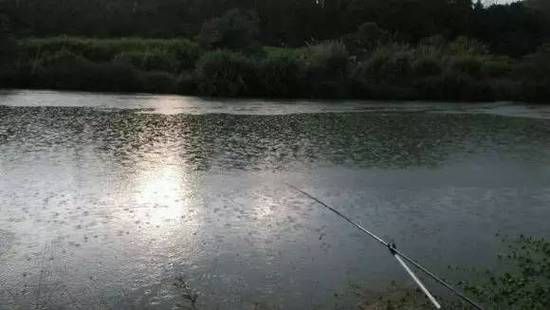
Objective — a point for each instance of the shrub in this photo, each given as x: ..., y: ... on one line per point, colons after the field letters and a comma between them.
x: 155, y: 60
x: 159, y: 82
x: 328, y: 59
x: 326, y: 66
x: 294, y: 53
x: 536, y: 67
x: 534, y: 72
x: 114, y: 77
x: 436, y: 41
x: 186, y: 83
x: 186, y: 53
x: 224, y: 73
x: 62, y: 57
x: 40, y: 48
x: 467, y: 46
x: 391, y: 64
x: 426, y: 66
x: 388, y: 73
x: 467, y: 64
x: 506, y: 89
x: 496, y: 67
x: 10, y: 77
x: 281, y: 76
x: 64, y: 70
x: 454, y: 86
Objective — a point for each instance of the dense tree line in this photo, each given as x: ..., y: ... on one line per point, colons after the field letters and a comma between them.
x: 384, y: 49
x: 511, y: 29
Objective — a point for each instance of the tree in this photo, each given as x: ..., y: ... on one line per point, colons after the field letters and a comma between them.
x: 236, y: 29
x: 7, y: 43
x: 542, y: 5
x: 370, y: 35
x: 513, y: 29
x: 478, y: 6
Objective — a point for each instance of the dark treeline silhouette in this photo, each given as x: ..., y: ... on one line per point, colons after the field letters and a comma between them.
x: 511, y: 29
x: 431, y: 49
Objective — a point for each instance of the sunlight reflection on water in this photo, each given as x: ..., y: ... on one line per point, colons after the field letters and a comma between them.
x: 104, y: 206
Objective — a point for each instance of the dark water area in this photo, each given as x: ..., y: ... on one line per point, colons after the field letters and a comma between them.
x: 106, y: 200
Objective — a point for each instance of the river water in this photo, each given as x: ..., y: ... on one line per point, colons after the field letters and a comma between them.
x: 108, y: 200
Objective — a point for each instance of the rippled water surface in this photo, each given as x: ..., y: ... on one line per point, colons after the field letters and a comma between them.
x: 107, y: 201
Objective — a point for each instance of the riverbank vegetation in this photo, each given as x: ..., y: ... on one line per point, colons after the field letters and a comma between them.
x: 437, y: 49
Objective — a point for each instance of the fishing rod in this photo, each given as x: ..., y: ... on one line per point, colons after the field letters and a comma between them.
x: 399, y: 256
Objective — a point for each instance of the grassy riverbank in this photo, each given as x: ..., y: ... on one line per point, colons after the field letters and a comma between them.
x: 433, y: 69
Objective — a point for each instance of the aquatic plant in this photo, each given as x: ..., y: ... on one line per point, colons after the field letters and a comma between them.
x: 525, y: 281
x: 522, y: 283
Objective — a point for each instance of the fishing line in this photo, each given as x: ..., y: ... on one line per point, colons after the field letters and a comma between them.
x: 399, y: 256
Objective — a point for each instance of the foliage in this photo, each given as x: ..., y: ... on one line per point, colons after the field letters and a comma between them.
x: 515, y: 29
x: 277, y: 52
x: 73, y: 72
x: 150, y: 60
x: 369, y: 36
x: 328, y: 59
x: 236, y: 29
x: 462, y: 69
x: 391, y: 63
x: 186, y: 83
x: 467, y: 46
x: 8, y: 45
x: 454, y: 86
x: 497, y: 67
x: 225, y: 73
x: 159, y: 82
x: 414, y: 49
x: 184, y: 53
x: 469, y: 65
x: 281, y: 76
x: 423, y: 66
x: 326, y: 66
x: 533, y: 71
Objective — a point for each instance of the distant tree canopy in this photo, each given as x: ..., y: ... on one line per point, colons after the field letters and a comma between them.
x: 7, y: 43
x: 514, y: 29
x: 236, y: 29
x: 541, y: 5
